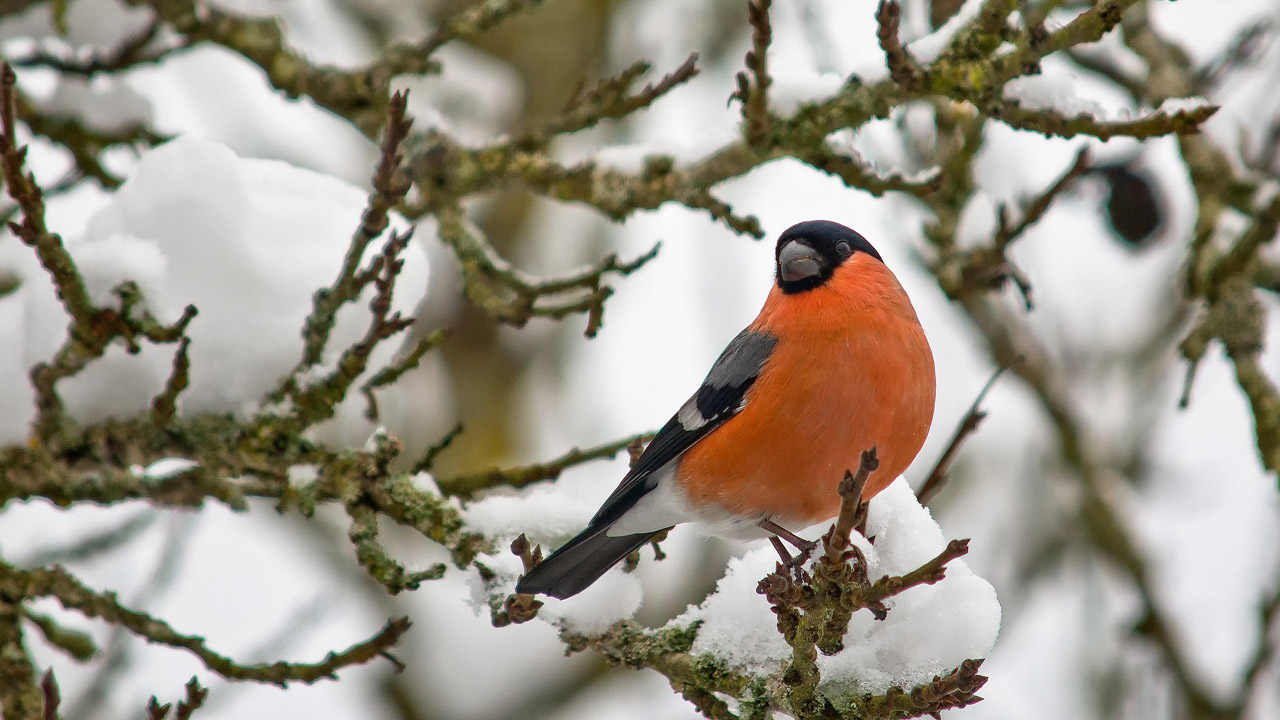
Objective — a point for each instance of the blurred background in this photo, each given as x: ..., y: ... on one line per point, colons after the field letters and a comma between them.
x: 1105, y: 264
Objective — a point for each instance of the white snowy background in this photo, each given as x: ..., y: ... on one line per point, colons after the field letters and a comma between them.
x: 204, y: 221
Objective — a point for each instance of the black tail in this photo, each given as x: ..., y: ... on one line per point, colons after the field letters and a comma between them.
x: 580, y: 562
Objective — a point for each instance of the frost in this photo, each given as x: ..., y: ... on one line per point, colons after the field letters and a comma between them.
x: 930, y: 629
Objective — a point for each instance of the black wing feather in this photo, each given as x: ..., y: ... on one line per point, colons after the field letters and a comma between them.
x: 582, y: 560
x: 720, y: 397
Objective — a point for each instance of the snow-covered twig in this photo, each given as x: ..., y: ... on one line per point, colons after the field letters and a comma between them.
x: 92, y: 328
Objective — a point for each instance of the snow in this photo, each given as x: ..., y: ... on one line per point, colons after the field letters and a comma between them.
x: 247, y: 241
x: 794, y: 86
x: 105, y: 106
x: 930, y: 629
x: 1175, y: 106
x: 546, y: 514
x: 93, y: 23
x: 164, y: 468
x: 1060, y: 92
x: 614, y: 597
x: 1204, y: 513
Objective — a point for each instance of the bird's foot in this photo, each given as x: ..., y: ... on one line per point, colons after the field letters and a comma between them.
x: 794, y: 563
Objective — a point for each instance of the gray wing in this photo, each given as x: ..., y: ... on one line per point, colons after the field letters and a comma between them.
x: 721, y: 396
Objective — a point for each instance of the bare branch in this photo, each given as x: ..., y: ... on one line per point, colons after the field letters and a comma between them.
x: 753, y: 90
x: 968, y: 425
x: 57, y: 583
x: 903, y: 68
x: 518, y: 477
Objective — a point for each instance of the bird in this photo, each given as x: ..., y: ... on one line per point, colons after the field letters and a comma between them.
x: 835, y: 363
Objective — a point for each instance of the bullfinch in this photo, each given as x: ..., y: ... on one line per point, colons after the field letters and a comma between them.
x: 835, y: 363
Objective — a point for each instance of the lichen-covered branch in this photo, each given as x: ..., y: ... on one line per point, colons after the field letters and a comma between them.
x: 512, y: 297
x: 56, y: 583
x: 472, y: 483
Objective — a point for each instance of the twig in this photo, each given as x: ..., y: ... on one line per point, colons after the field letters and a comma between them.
x: 610, y: 99
x: 363, y: 532
x: 854, y: 172
x: 76, y: 643
x: 972, y: 418
x: 468, y: 485
x: 509, y: 296
x: 1035, y: 210
x: 927, y: 574
x: 196, y: 695
x: 753, y: 90
x: 429, y: 457
x: 903, y: 69
x: 852, y: 506
x: 130, y: 53
x: 1051, y: 123
x: 389, y: 188
x: 165, y: 404
x: 52, y: 696
x: 392, y: 373
x: 57, y: 583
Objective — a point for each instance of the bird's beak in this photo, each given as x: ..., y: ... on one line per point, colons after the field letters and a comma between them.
x: 797, y: 261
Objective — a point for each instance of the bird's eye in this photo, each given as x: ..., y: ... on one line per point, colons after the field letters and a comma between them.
x: 843, y: 248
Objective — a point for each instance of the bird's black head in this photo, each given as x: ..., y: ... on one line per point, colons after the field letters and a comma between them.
x: 808, y: 253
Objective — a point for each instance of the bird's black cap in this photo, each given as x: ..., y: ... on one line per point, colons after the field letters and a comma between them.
x: 831, y: 244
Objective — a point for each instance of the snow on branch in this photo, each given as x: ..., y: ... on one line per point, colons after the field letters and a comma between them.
x: 790, y: 648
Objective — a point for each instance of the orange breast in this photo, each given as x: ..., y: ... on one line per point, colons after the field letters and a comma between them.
x: 851, y: 370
